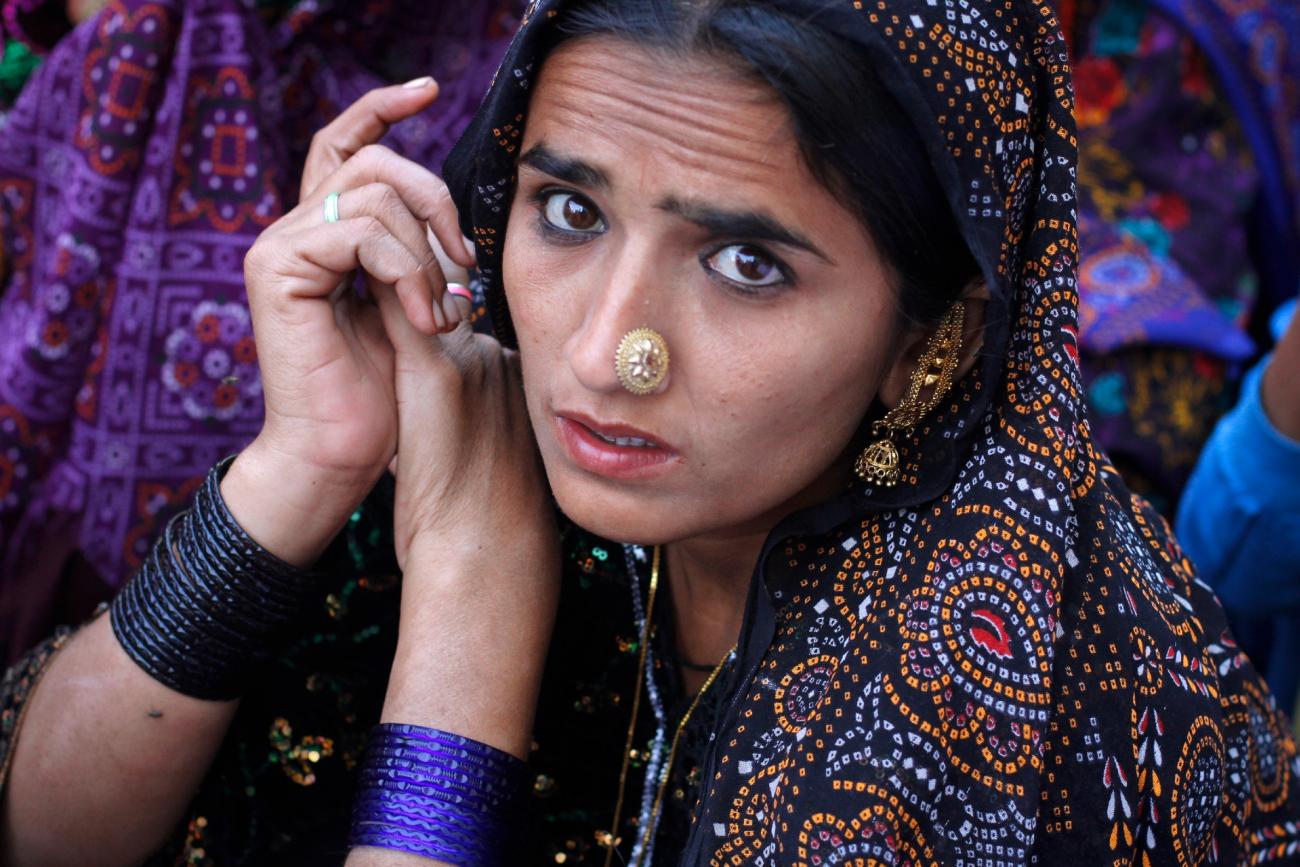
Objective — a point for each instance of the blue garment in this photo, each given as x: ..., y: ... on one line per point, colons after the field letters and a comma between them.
x: 1239, y: 520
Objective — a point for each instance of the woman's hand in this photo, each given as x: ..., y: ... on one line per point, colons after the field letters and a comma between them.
x: 476, y: 539
x: 326, y: 359
x: 353, y: 385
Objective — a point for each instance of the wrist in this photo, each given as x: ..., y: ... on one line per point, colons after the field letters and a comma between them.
x: 209, y: 606
x: 437, y: 795
x: 290, y: 508
x: 471, y: 649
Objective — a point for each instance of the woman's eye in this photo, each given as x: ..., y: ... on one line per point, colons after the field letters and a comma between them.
x: 570, y: 212
x: 746, y: 266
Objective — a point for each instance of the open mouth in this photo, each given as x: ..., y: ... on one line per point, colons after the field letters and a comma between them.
x: 615, y: 450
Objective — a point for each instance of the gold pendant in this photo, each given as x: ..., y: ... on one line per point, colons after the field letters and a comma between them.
x: 879, y: 464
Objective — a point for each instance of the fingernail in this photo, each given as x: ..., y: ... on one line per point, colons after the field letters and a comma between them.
x: 416, y: 83
x: 469, y: 247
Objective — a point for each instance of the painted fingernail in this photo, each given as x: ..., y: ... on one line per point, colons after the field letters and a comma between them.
x: 462, y: 290
x: 469, y: 247
x: 417, y: 83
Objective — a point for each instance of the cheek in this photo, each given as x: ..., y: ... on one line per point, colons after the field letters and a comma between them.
x: 790, y: 398
x: 536, y: 293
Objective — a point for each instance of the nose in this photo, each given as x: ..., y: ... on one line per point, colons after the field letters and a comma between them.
x: 628, y: 300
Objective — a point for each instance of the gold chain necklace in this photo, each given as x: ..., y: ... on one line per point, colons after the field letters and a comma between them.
x: 610, y: 838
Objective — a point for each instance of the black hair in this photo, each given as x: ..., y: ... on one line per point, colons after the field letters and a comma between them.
x: 853, y: 134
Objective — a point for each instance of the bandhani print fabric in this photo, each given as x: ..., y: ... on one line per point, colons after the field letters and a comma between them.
x: 1006, y: 659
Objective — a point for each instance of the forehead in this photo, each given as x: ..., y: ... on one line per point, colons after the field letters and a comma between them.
x: 603, y: 96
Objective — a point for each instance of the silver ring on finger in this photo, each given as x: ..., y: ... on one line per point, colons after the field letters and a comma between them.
x: 332, y: 208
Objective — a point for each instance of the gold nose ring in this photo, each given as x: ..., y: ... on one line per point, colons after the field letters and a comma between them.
x: 641, y: 361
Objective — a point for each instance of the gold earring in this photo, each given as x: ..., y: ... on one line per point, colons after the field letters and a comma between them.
x: 879, y: 462
x: 641, y: 361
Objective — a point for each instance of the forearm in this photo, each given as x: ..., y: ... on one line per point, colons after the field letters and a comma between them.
x: 469, y: 662
x: 107, y: 760
x: 126, y: 719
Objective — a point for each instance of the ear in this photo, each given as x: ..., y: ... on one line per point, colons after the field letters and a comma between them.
x: 912, y: 344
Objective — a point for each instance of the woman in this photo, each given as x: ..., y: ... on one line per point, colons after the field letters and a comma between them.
x: 792, y: 287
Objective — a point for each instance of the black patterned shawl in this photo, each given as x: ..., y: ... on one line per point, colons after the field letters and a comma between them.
x: 1007, y: 659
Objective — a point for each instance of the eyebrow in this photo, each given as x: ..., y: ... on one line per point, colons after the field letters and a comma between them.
x: 754, y: 225
x: 567, y: 169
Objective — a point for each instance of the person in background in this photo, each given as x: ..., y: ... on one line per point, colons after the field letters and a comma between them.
x: 1189, y: 214
x: 142, y: 158
x: 1239, y: 518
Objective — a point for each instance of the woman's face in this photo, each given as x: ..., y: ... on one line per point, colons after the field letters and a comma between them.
x: 670, y: 194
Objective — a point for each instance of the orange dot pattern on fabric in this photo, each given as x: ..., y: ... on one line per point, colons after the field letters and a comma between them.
x: 1005, y: 659
x: 1027, y: 669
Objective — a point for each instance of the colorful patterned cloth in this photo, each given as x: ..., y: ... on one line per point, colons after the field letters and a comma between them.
x: 1189, y: 117
x: 1188, y: 169
x: 139, y: 164
x: 1007, y: 657
x: 1005, y: 660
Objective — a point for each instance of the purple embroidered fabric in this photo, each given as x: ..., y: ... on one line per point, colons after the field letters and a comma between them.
x: 139, y: 163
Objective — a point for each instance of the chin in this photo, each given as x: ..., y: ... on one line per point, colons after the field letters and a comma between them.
x: 620, y: 514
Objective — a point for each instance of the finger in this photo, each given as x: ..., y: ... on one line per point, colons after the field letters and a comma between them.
x: 425, y: 195
x: 460, y: 300
x: 402, y: 332
x: 361, y: 123
x: 384, y: 203
x: 319, y: 257
x: 452, y: 270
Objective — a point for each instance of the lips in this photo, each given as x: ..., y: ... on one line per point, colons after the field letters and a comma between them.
x: 613, y: 449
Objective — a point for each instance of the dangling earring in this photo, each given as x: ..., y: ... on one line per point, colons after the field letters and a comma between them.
x: 879, y: 462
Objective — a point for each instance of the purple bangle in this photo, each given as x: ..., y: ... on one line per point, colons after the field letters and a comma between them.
x: 435, y: 794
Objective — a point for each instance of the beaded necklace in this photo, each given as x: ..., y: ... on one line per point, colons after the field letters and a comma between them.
x: 651, y: 810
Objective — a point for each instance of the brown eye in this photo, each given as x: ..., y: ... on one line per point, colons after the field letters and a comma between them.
x: 570, y: 212
x: 746, y: 265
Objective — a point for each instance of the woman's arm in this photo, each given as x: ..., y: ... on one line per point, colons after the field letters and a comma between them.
x: 478, y: 546
x: 467, y: 661
x: 1242, y: 497
x: 108, y: 757
x: 106, y: 760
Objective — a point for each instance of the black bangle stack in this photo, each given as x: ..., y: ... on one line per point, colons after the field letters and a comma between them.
x: 209, y: 605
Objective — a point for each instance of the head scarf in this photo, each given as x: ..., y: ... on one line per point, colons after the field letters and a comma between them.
x: 1007, y: 657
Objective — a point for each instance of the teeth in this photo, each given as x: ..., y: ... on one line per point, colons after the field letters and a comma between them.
x: 627, y: 442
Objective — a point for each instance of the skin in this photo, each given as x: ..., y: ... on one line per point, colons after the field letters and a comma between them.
x: 1280, y: 395
x: 109, y: 757
x: 751, y: 366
